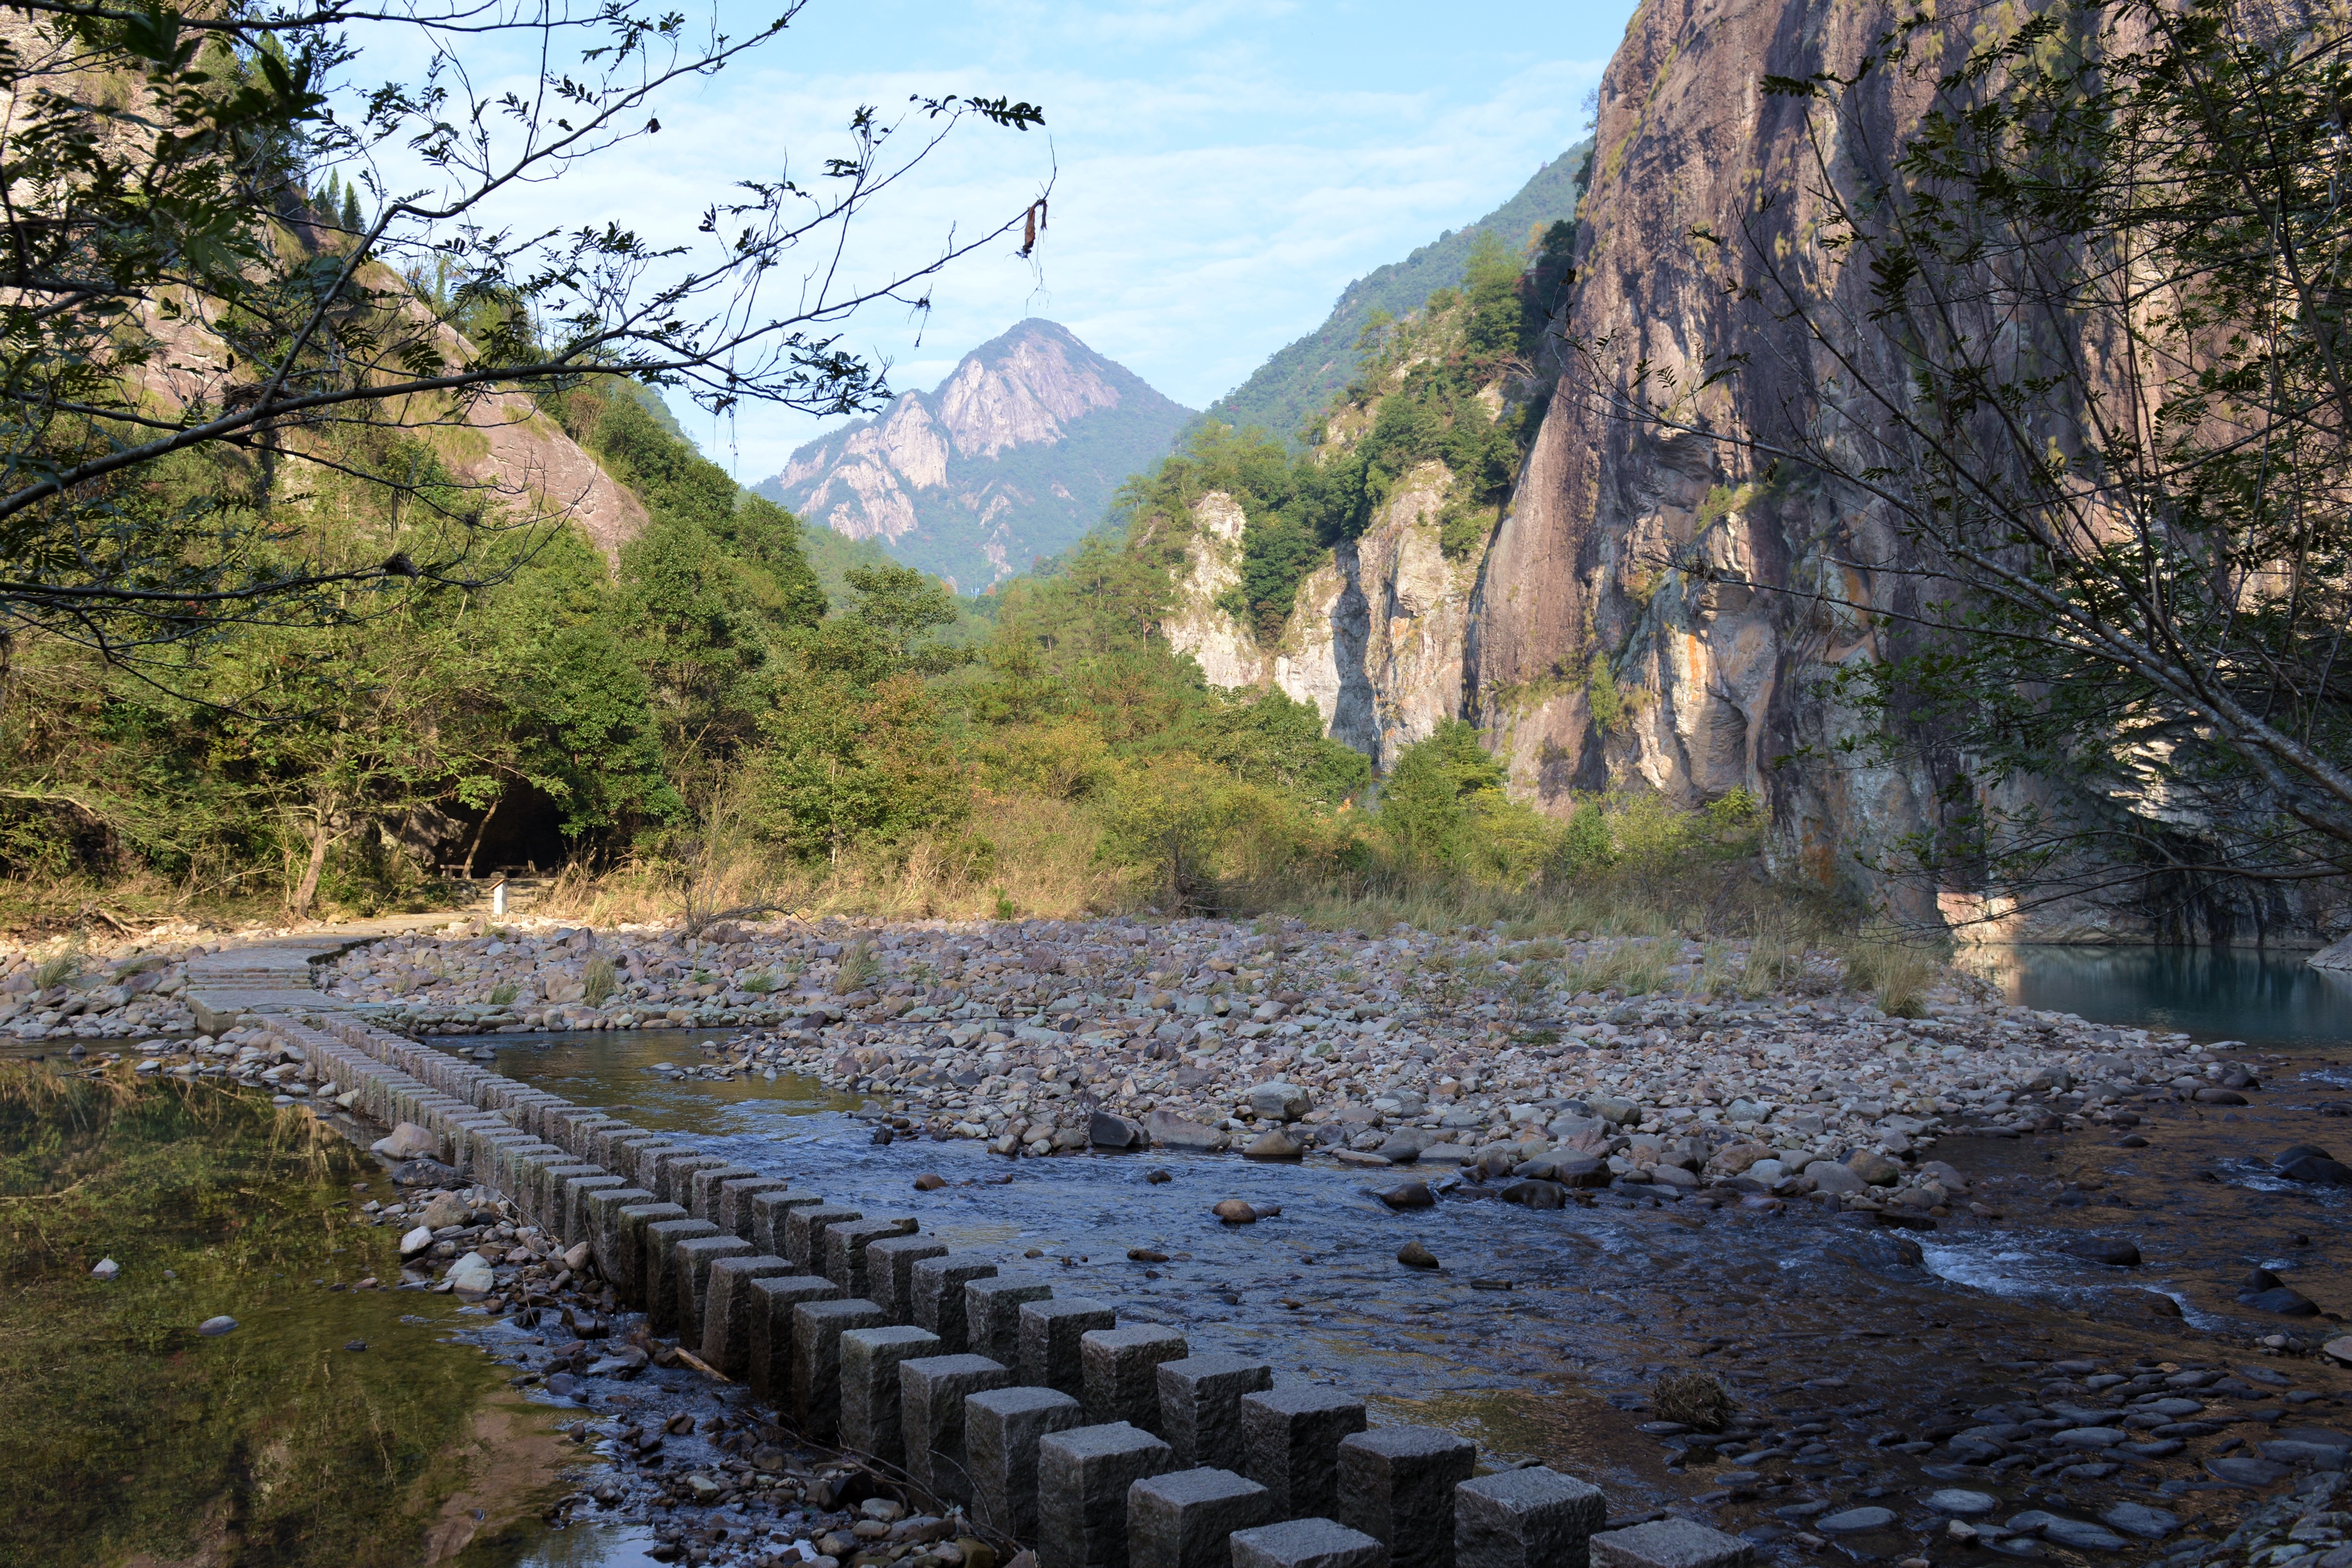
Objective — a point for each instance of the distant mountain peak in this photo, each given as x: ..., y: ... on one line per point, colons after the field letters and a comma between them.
x: 1014, y: 456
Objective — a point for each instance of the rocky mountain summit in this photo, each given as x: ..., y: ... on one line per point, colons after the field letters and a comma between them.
x: 1012, y: 458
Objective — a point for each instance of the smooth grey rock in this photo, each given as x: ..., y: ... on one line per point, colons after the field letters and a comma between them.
x: 1290, y: 1445
x: 932, y: 1391
x: 2138, y: 1519
x: 1828, y: 1175
x: 1396, y: 1485
x: 1961, y: 1503
x: 1278, y: 1101
x: 1182, y: 1519
x: 1083, y: 1475
x: 1201, y: 1407
x: 1531, y: 1518
x: 2081, y: 1534
x: 1306, y: 1543
x: 1002, y: 1430
x: 1854, y: 1520
x: 1119, y: 1373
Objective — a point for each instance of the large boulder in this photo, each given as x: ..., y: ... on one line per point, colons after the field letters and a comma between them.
x: 472, y: 1273
x: 408, y: 1142
x: 1831, y: 1177
x: 1279, y: 1102
x: 1106, y: 1130
x: 1170, y: 1131
x: 1875, y: 1168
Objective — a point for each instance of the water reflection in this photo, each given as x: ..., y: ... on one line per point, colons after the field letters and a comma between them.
x: 2262, y: 998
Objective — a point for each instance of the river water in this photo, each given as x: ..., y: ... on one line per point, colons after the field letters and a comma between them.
x: 1542, y: 1333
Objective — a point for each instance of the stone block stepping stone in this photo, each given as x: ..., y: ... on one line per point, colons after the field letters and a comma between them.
x: 1961, y: 1503
x: 2246, y: 1472
x: 1854, y: 1520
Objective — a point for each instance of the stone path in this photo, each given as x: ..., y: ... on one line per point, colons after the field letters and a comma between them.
x: 273, y: 976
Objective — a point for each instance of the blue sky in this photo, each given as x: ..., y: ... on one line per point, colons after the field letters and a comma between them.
x: 1221, y: 170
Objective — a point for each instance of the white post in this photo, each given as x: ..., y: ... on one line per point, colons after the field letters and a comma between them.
x: 498, y: 897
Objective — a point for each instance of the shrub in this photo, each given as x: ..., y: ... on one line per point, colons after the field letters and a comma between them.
x: 599, y: 980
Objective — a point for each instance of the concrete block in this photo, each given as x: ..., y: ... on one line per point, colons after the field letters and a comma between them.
x: 1306, y: 1543
x: 1396, y: 1485
x: 677, y: 1174
x: 1533, y: 1518
x: 703, y: 1186
x: 771, y: 1329
x: 890, y: 1273
x: 695, y: 1257
x: 870, y: 1392
x: 938, y: 1295
x: 727, y: 1322
x: 805, y: 1232
x: 1670, y: 1543
x: 817, y: 1328
x: 1050, y: 1333
x: 554, y: 1212
x: 1001, y: 1429
x: 1290, y: 1445
x: 1182, y: 1519
x: 1119, y: 1372
x: 1083, y: 1475
x: 661, y: 1269
x: 992, y: 1314
x: 653, y: 1160
x: 768, y: 1212
x: 735, y: 1202
x: 932, y: 1390
x: 1201, y: 1407
x: 844, y: 1250
x: 630, y: 1246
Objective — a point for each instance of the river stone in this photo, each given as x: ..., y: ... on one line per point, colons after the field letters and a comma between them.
x: 1532, y: 1194
x: 2076, y: 1532
x: 1856, y: 1521
x: 1408, y: 1194
x: 2104, y: 1249
x: 2280, y: 1301
x: 2138, y: 1519
x: 1875, y: 1168
x: 2340, y: 1347
x: 2318, y: 1170
x: 214, y: 1328
x: 1414, y: 1255
x: 408, y: 1142
x: 2087, y: 1437
x: 472, y: 1272
x: 1830, y: 1177
x: 1106, y: 1130
x: 1273, y: 1145
x: 1961, y: 1503
x: 1234, y: 1211
x: 106, y: 1268
x: 1287, y: 1102
x: 1170, y: 1131
x: 443, y: 1209
x: 416, y: 1241
x: 2246, y: 1472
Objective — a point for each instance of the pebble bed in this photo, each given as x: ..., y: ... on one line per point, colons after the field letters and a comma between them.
x: 137, y: 988
x: 1410, y: 1047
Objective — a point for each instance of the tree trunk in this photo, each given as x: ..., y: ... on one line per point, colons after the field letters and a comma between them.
x: 475, y: 848
x: 322, y: 840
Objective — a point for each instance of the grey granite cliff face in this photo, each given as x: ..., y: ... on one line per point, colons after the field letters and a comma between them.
x: 1599, y: 557
x: 1012, y: 458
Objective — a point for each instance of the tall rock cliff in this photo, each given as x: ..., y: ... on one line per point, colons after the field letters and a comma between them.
x: 1597, y: 646
x: 1013, y: 457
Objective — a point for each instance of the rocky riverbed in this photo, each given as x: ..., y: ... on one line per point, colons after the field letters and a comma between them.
x: 1606, y: 1061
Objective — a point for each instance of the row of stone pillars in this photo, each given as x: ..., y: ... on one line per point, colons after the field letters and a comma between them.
x: 1104, y: 1445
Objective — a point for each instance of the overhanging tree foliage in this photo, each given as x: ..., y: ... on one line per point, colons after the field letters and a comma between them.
x: 167, y: 286
x: 2079, y: 339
